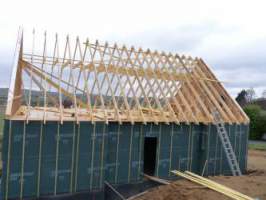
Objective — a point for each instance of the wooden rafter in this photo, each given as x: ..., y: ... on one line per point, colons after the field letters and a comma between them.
x: 112, y: 83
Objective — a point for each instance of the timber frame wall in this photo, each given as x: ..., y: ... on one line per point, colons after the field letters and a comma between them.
x: 41, y: 160
x: 114, y: 83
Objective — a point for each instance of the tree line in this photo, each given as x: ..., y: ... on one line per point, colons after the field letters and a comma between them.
x: 255, y: 108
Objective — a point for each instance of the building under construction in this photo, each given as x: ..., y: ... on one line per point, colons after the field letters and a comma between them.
x: 81, y: 114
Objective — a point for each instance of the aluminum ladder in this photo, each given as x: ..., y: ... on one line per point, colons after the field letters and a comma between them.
x: 229, y: 152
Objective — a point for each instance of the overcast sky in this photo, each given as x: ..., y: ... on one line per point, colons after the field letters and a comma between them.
x: 230, y: 35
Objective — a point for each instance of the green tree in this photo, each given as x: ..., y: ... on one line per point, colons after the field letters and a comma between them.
x: 262, y: 123
x: 257, y: 121
x: 242, y: 98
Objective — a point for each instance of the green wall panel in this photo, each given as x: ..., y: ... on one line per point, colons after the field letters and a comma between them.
x: 14, y: 179
x: 196, y: 152
x: 32, y: 140
x: 49, y: 140
x: 112, y: 146
x: 64, y: 174
x: 30, y: 177
x: 47, y: 179
x: 17, y: 130
x: 66, y: 138
x: 83, y: 174
x: 122, y: 166
x: 85, y: 142
x: 134, y: 175
x: 123, y: 153
x: 174, y: 159
x: 72, y: 157
x: 5, y: 140
x: 83, y: 156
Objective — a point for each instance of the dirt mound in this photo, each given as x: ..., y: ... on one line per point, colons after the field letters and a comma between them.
x: 181, y: 190
x: 252, y: 184
x: 256, y: 172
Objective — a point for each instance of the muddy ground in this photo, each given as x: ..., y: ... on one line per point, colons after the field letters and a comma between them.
x: 252, y: 184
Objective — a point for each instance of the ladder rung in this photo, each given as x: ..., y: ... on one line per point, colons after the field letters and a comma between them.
x: 233, y: 163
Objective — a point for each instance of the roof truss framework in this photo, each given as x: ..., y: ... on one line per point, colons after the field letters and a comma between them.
x: 112, y: 83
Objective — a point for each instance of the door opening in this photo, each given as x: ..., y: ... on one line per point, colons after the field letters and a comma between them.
x: 150, y: 146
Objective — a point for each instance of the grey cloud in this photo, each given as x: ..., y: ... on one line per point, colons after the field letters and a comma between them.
x: 6, y: 59
x: 247, y: 56
x: 5, y: 73
x: 186, y: 38
x: 243, y: 67
x: 174, y: 39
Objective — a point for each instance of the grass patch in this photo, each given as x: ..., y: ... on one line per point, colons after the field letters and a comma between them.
x: 257, y: 146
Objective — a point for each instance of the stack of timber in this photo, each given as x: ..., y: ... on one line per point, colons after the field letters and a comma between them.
x: 212, y: 185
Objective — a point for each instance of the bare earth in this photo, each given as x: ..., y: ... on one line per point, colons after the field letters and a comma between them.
x: 253, y: 184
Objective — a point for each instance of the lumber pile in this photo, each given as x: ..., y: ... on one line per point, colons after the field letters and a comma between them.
x: 212, y: 185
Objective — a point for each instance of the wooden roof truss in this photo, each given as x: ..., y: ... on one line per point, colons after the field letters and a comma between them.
x: 107, y: 83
